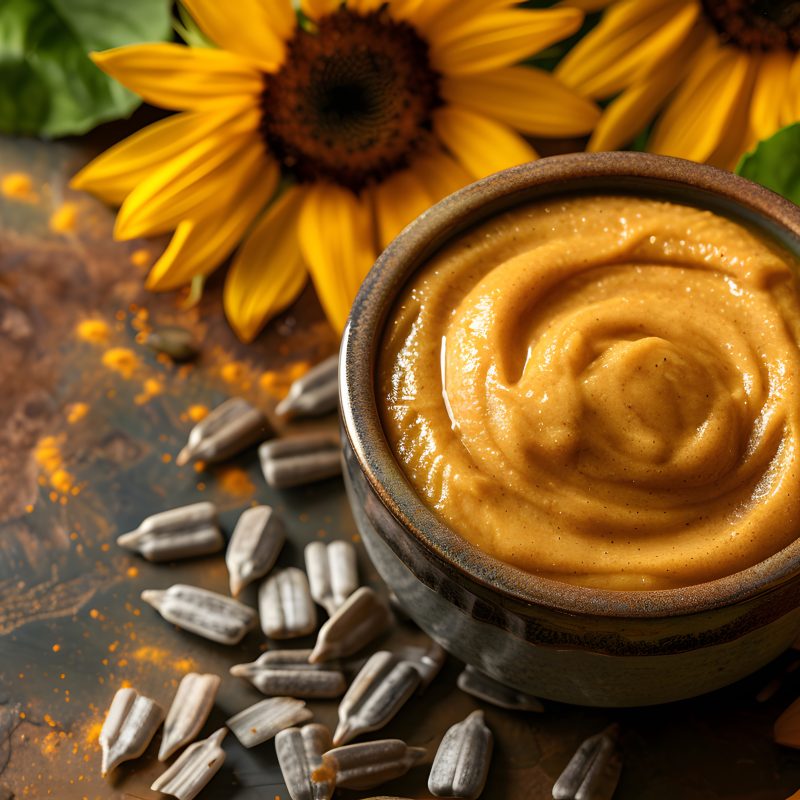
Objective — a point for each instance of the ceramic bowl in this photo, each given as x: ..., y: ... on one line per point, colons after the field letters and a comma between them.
x: 558, y: 641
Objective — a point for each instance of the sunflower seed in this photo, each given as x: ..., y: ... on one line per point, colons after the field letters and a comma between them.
x: 177, y: 343
x: 377, y: 693
x: 297, y: 460
x: 300, y: 757
x: 195, y: 767
x: 354, y: 625
x: 315, y: 393
x: 256, y: 541
x: 200, y: 611
x: 129, y: 726
x: 295, y: 677
x: 461, y: 764
x: 227, y: 430
x: 365, y: 765
x: 285, y: 605
x: 332, y: 573
x: 593, y: 772
x: 189, y: 711
x: 474, y: 682
x: 263, y: 720
x: 428, y: 661
x: 178, y: 533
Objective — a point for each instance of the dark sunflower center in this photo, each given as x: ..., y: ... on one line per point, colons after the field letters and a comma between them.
x: 353, y: 100
x: 756, y: 24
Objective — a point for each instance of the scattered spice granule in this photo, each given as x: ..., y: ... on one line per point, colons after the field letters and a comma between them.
x: 201, y: 487
x: 56, y: 648
x: 235, y: 481
x: 64, y: 219
x: 141, y: 258
x: 298, y: 369
x: 199, y: 466
x: 50, y: 721
x: 76, y: 412
x: 184, y: 664
x: 121, y: 360
x: 197, y: 412
x: 233, y: 372
x: 113, y: 646
x: 151, y: 388
x: 119, y: 315
x: 93, y: 330
x: 29, y: 508
x: 132, y: 572
x: 18, y: 186
x: 166, y: 457
x: 105, y: 547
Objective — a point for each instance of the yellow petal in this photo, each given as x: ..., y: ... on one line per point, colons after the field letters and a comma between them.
x: 438, y: 19
x: 530, y: 100
x: 790, y: 111
x: 629, y: 114
x: 589, y: 5
x: 364, y: 6
x: 499, y: 39
x: 201, y: 177
x: 268, y: 272
x: 440, y: 174
x: 254, y: 29
x: 118, y: 171
x: 199, y: 246
x: 771, y: 86
x: 399, y: 199
x: 319, y: 8
x: 336, y: 239
x: 404, y: 10
x: 179, y: 77
x: 482, y: 145
x: 621, y: 27
x: 697, y: 117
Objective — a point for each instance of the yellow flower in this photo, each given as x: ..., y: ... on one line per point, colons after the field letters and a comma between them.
x: 346, y: 123
x: 722, y: 73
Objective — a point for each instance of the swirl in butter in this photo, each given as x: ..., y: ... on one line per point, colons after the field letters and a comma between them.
x: 603, y: 391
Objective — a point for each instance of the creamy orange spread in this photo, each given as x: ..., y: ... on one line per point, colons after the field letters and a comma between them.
x: 603, y: 391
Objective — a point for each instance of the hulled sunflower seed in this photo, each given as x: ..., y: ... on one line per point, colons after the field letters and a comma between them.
x: 129, y: 726
x: 227, y: 430
x: 189, y: 711
x: 300, y: 757
x: 593, y: 772
x: 254, y: 546
x: 285, y: 605
x: 377, y: 693
x: 315, y: 393
x: 176, y: 342
x: 332, y: 573
x: 478, y: 684
x: 200, y: 611
x: 263, y: 720
x: 461, y: 764
x: 369, y: 764
x: 178, y: 533
x: 361, y: 618
x: 194, y: 768
x: 428, y: 661
x: 301, y: 459
x: 296, y: 678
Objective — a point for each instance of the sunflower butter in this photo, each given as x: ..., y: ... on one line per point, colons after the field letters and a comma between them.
x: 603, y: 391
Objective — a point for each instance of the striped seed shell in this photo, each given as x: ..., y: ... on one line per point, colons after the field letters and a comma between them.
x: 227, y: 430
x: 315, y: 393
x: 369, y: 764
x: 130, y: 724
x: 189, y: 711
x: 428, y: 661
x: 478, y: 684
x: 461, y: 764
x: 593, y: 772
x: 195, y: 767
x: 285, y: 605
x: 292, y: 675
x: 263, y: 720
x: 298, y: 460
x: 200, y: 611
x: 377, y: 693
x: 300, y: 757
x: 332, y: 573
x: 361, y: 618
x: 254, y: 546
x: 178, y: 533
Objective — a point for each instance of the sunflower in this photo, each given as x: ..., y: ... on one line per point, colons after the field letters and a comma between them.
x: 313, y: 137
x: 720, y: 74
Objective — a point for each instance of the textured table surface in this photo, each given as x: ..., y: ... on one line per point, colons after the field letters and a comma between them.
x: 90, y: 423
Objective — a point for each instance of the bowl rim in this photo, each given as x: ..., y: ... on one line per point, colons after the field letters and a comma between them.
x: 641, y: 174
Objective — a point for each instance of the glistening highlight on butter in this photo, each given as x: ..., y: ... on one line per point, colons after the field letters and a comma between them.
x: 603, y: 391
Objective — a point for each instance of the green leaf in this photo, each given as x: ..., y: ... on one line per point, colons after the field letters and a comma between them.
x: 48, y: 85
x: 775, y: 163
